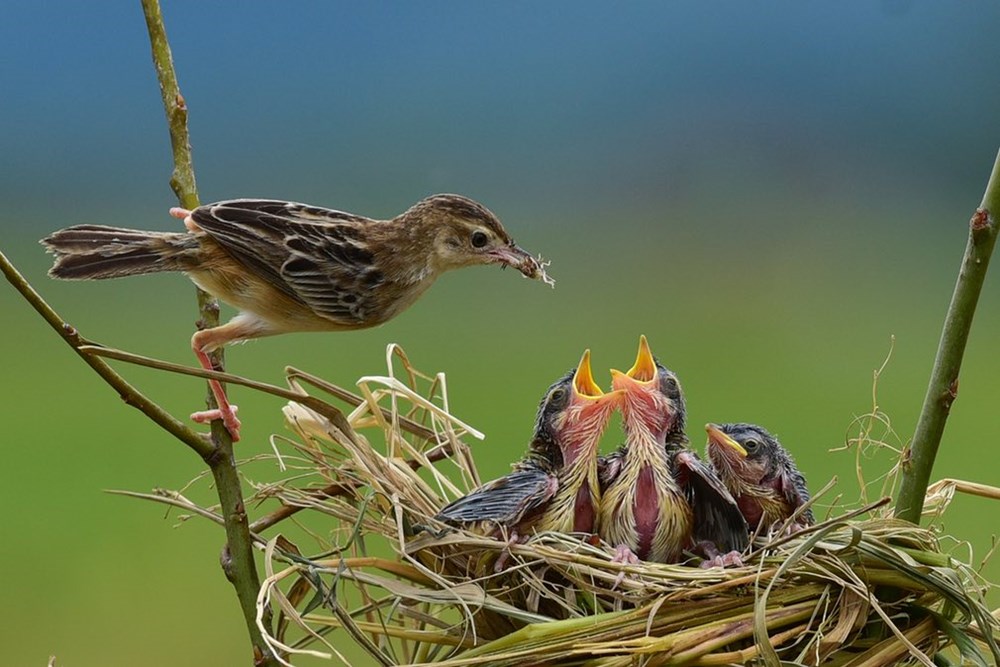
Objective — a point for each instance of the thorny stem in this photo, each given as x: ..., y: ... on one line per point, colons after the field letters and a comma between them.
x: 943, y: 387
x: 237, y: 554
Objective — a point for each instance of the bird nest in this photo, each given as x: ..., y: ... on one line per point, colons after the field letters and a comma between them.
x: 859, y: 588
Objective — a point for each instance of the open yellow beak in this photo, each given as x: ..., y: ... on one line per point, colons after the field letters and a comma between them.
x: 583, y: 381
x: 716, y: 435
x: 642, y: 373
x: 644, y: 368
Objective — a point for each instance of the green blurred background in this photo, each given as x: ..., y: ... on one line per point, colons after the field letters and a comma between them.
x: 768, y: 192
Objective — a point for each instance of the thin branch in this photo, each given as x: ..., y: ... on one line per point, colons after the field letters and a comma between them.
x: 943, y: 387
x: 237, y: 555
x: 182, y: 180
x: 298, y: 396
x: 174, y: 499
x: 128, y: 393
x: 346, y: 489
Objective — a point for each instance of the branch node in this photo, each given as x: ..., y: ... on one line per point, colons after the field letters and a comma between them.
x: 217, y: 457
x: 226, y: 561
x: 71, y: 335
x: 981, y: 219
x: 949, y: 395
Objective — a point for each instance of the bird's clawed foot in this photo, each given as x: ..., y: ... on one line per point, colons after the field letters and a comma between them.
x: 505, y: 554
x: 185, y: 215
x: 731, y: 559
x: 795, y: 527
x: 228, y: 418
x: 226, y: 411
x: 625, y: 556
x: 713, y: 558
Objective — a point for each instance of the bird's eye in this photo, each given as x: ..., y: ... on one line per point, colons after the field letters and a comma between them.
x: 751, y: 445
x: 670, y: 383
x: 479, y: 239
x: 557, y: 395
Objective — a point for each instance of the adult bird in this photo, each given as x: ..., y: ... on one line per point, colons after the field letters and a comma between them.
x: 659, y: 499
x: 760, y: 474
x: 555, y: 486
x: 292, y: 267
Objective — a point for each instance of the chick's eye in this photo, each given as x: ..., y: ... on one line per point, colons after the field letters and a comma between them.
x: 479, y: 239
x: 557, y: 395
x: 750, y: 445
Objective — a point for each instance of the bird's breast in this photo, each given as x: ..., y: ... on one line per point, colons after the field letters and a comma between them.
x: 584, y: 514
x: 751, y: 509
x: 646, y: 511
x: 646, y: 505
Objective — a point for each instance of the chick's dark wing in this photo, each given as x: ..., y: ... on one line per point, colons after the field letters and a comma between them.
x: 792, y: 485
x: 506, y: 501
x: 314, y: 255
x: 717, y: 518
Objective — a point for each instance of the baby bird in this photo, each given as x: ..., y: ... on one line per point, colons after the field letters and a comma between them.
x: 555, y: 486
x: 659, y: 498
x: 760, y: 474
x: 292, y: 267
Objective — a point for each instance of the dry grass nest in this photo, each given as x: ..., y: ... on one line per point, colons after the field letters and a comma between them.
x: 859, y: 588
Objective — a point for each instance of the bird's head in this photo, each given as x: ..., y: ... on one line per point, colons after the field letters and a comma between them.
x: 573, y: 414
x: 653, y: 397
x: 744, y: 451
x: 463, y: 232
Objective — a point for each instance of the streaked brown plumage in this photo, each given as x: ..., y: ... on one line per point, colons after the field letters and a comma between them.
x: 555, y: 486
x: 659, y: 498
x: 292, y: 267
x: 760, y: 474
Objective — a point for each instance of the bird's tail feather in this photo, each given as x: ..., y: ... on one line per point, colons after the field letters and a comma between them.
x: 96, y: 252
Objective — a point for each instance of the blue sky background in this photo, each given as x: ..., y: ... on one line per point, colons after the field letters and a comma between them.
x: 769, y: 191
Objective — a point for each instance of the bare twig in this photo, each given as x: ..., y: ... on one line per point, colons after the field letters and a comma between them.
x: 237, y: 555
x: 943, y: 387
x: 297, y: 395
x: 128, y: 393
x: 174, y: 499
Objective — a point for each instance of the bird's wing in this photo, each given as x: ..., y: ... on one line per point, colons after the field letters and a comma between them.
x: 792, y: 485
x: 505, y: 501
x: 717, y: 518
x: 314, y: 255
x: 608, y: 467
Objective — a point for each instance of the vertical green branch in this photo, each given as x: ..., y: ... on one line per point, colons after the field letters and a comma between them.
x: 237, y: 555
x: 943, y: 387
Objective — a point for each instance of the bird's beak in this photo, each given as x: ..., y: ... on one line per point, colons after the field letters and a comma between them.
x: 644, y: 368
x: 643, y: 371
x: 518, y: 258
x: 716, y: 436
x: 586, y: 389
